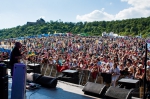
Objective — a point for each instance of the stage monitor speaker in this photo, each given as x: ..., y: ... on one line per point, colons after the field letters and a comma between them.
x: 33, y: 77
x: 94, y: 89
x: 48, y: 82
x: 19, y: 81
x: 129, y: 83
x: 118, y: 93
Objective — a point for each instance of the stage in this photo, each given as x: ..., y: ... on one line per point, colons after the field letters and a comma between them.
x: 63, y: 90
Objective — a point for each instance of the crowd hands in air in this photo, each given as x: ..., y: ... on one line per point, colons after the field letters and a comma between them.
x: 117, y: 56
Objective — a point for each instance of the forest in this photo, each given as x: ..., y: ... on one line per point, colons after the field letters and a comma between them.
x: 128, y: 27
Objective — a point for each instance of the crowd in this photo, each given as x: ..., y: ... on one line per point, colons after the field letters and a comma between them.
x: 119, y: 56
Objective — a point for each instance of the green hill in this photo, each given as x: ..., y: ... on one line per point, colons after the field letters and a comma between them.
x: 129, y: 27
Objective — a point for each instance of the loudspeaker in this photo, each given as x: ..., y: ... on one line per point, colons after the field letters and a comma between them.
x: 3, y: 82
x: 35, y: 67
x: 36, y: 77
x: 33, y: 77
x: 19, y: 81
x: 3, y: 70
x: 71, y: 76
x: 48, y: 82
x: 129, y: 83
x: 94, y: 89
x: 118, y: 93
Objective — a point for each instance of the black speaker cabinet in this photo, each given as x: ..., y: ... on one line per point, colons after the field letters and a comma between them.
x: 118, y: 93
x: 129, y: 83
x: 3, y: 70
x: 94, y: 89
x: 4, y: 87
x: 48, y: 82
x: 35, y: 67
x: 3, y: 82
x: 71, y: 76
x: 33, y: 77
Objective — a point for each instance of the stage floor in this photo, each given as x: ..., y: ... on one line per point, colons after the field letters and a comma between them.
x: 63, y: 90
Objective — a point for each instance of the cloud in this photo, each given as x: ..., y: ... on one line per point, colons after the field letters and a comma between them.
x: 96, y: 15
x: 137, y: 9
x: 138, y: 3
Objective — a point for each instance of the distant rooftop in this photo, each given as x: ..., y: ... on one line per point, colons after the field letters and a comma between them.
x: 39, y: 21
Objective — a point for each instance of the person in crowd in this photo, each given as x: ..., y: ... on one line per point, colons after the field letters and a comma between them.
x: 139, y: 75
x: 121, y: 69
x: 115, y: 74
x: 131, y: 72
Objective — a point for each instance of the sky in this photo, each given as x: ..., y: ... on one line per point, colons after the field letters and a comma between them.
x: 18, y: 12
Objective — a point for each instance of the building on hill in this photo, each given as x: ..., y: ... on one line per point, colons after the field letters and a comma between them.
x: 39, y: 21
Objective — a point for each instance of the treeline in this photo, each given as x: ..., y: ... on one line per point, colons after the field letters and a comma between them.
x: 128, y: 27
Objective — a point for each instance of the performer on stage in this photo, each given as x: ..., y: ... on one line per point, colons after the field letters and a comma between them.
x: 15, y: 56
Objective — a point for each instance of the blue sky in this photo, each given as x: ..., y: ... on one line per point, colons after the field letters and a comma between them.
x: 18, y: 12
